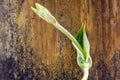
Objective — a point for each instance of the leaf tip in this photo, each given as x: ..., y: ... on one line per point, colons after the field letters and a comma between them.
x: 34, y: 9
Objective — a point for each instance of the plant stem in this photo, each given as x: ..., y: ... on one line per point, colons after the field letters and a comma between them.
x: 85, y: 74
x: 68, y: 34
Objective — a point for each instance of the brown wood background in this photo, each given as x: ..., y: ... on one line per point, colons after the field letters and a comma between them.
x: 31, y: 49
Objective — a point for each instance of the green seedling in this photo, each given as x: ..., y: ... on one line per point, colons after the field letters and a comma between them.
x: 80, y: 41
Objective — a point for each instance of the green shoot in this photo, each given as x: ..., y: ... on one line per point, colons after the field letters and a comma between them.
x: 80, y: 42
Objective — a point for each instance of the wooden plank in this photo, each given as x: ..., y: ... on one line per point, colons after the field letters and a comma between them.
x: 32, y: 49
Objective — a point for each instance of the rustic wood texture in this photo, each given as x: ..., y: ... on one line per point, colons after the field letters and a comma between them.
x: 32, y: 49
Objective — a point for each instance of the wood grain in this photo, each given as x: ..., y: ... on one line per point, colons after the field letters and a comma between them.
x: 32, y: 49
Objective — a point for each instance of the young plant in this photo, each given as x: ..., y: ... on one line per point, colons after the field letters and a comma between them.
x: 80, y: 41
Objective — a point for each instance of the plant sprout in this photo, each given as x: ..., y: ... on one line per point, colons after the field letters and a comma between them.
x: 80, y: 41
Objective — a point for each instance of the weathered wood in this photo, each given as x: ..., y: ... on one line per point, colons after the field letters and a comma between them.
x: 31, y: 49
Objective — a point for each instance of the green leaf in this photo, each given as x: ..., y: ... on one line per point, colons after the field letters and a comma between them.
x: 81, y: 37
x: 86, y: 44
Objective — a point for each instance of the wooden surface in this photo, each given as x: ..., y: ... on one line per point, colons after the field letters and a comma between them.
x: 31, y: 49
